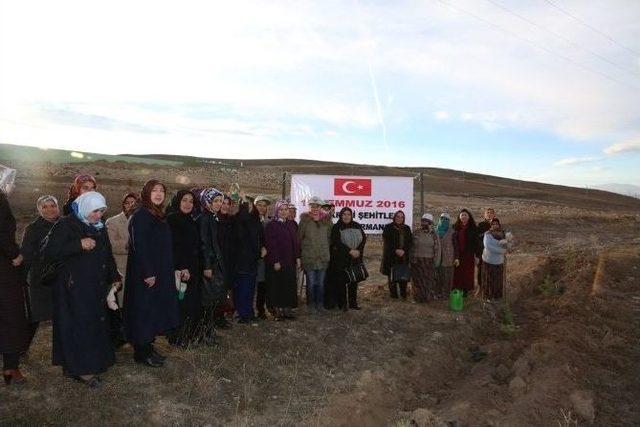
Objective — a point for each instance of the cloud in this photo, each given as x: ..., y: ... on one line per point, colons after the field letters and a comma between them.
x: 442, y: 116
x: 629, y: 146
x: 575, y: 161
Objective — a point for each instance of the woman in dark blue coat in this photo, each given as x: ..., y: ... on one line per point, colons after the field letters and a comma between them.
x: 79, y: 247
x: 187, y: 262
x: 150, y: 297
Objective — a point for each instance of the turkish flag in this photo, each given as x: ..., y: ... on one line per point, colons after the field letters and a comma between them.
x: 351, y: 187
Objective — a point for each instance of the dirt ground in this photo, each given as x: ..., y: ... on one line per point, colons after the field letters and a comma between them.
x: 564, y: 350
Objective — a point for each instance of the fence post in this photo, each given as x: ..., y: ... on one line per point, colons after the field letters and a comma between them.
x: 284, y: 184
x: 421, y: 194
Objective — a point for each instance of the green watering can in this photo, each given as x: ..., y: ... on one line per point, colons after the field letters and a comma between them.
x: 456, y: 300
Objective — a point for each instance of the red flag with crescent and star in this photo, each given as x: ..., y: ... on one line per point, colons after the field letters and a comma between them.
x: 352, y: 187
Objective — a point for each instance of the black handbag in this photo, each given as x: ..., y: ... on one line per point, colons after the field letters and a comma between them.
x: 49, y: 271
x: 400, y: 273
x: 356, y: 273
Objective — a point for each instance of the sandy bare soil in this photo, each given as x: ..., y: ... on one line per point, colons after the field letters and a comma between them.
x: 564, y: 351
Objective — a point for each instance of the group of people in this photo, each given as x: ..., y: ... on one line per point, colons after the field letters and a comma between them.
x: 184, y: 268
x: 438, y: 257
x: 180, y: 269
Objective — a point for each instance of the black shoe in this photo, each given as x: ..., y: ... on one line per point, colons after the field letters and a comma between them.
x: 244, y: 321
x: 222, y: 323
x: 355, y: 307
x: 93, y: 382
x: 158, y: 356
x: 150, y: 362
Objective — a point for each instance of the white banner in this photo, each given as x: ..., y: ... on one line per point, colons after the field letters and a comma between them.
x: 373, y: 199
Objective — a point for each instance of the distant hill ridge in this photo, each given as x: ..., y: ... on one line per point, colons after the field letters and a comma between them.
x: 437, y: 180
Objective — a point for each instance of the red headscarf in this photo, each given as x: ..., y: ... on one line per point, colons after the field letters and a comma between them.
x: 78, y: 181
x: 145, y: 198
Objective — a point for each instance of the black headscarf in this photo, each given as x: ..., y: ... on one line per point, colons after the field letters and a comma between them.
x: 341, y: 225
x: 177, y: 199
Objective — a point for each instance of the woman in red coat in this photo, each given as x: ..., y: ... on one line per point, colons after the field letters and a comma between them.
x: 466, y: 236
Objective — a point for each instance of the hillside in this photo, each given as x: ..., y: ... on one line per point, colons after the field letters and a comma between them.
x: 55, y: 168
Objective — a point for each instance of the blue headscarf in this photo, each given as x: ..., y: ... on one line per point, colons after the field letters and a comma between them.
x: 443, y: 226
x: 87, y: 203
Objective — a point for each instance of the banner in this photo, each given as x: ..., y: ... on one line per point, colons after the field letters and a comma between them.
x: 373, y: 199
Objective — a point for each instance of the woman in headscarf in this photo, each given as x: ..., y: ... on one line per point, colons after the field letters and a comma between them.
x: 283, y: 256
x: 213, y: 285
x: 396, y: 251
x: 15, y: 332
x: 187, y: 263
x: 425, y: 254
x: 150, y: 298
x: 347, y: 246
x: 466, y: 236
x: 314, y: 232
x: 227, y: 240
x: 79, y: 245
x: 493, y: 254
x: 448, y: 253
x: 249, y: 237
x: 40, y: 296
x: 82, y: 183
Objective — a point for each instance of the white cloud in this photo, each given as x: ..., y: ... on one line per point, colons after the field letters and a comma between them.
x: 442, y: 116
x: 268, y: 71
x: 575, y: 161
x: 629, y: 146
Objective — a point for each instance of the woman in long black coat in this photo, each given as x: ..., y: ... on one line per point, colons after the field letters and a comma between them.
x: 397, y: 240
x: 150, y: 297
x: 249, y: 236
x: 187, y: 262
x: 14, y: 329
x: 79, y: 247
x: 346, y: 246
x: 213, y: 265
x: 40, y: 296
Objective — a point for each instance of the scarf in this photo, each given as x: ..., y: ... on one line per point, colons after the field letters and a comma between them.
x: 177, y: 199
x: 7, y: 179
x: 443, y: 227
x: 280, y: 204
x: 86, y: 203
x: 45, y: 199
x: 145, y: 198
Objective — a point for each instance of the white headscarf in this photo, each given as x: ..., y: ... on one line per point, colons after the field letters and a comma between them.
x: 7, y: 178
x: 46, y: 199
x: 87, y: 203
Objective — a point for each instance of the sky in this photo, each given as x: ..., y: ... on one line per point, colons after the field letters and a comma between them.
x: 543, y: 90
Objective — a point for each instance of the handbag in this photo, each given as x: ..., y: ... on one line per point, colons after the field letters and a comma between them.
x: 356, y: 273
x: 49, y: 272
x: 400, y: 273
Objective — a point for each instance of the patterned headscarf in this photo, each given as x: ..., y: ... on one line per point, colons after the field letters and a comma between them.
x: 46, y: 199
x: 208, y: 194
x: 86, y: 203
x: 74, y: 190
x: 280, y: 204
